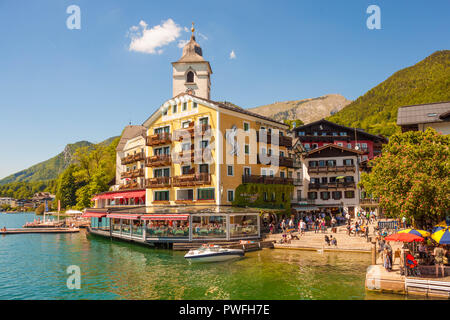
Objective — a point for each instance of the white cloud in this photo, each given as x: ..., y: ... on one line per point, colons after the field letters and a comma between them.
x: 154, y: 39
x: 203, y: 36
x: 182, y: 43
x: 232, y: 55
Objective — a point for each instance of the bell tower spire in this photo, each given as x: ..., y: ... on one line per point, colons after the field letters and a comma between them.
x: 192, y: 73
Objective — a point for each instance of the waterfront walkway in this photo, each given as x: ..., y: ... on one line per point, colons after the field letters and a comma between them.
x: 316, y: 241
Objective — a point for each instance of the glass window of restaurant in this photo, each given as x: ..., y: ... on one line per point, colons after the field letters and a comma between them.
x: 167, y: 229
x: 137, y: 228
x: 115, y: 223
x: 242, y: 226
x: 209, y: 227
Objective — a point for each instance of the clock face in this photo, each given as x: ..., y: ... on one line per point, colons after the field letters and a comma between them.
x: 190, y: 91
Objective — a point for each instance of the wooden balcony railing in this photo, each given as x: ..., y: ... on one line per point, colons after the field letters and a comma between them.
x: 282, y: 161
x: 159, y: 160
x: 158, y: 182
x: 368, y: 201
x: 190, y: 131
x: 131, y: 186
x: 159, y: 139
x: 266, y: 179
x: 331, y: 185
x: 137, y: 173
x: 125, y: 174
x: 350, y: 168
x: 279, y: 140
x: 191, y: 179
x: 133, y: 158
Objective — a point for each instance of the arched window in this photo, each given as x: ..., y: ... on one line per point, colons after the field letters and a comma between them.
x: 190, y: 77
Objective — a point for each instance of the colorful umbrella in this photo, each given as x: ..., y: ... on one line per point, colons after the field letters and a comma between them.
x: 404, y: 237
x: 442, y: 236
x: 420, y: 233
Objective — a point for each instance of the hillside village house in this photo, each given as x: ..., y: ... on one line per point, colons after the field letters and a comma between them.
x: 423, y: 116
x: 197, y: 153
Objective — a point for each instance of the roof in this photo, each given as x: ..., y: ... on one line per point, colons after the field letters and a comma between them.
x: 335, y: 146
x: 130, y: 132
x: 359, y: 131
x: 220, y: 105
x: 423, y: 113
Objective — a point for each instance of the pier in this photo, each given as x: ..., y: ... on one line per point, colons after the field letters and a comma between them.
x: 39, y: 230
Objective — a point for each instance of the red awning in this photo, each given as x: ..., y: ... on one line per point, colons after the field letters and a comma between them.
x: 123, y: 216
x: 165, y: 217
x: 115, y: 195
x: 93, y: 215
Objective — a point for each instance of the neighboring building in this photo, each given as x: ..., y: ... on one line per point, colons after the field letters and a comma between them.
x: 332, y: 176
x: 8, y: 201
x: 423, y: 116
x: 42, y: 197
x: 323, y: 132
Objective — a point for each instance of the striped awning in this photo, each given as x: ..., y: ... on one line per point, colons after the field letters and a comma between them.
x: 88, y: 214
x: 165, y: 217
x: 306, y: 208
x: 123, y: 216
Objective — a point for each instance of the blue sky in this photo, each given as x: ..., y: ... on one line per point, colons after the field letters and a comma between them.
x: 59, y: 86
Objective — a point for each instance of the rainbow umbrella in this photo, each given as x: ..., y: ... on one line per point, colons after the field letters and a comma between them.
x: 442, y: 236
x: 420, y: 233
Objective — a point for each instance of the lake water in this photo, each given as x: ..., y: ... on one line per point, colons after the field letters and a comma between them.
x: 33, y: 266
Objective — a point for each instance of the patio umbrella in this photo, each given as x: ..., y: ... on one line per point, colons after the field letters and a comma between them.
x: 442, y: 236
x: 404, y: 237
x: 420, y: 233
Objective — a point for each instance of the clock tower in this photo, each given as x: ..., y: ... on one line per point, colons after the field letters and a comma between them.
x: 192, y: 73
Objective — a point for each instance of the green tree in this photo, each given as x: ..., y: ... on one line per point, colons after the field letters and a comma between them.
x: 412, y: 177
x: 67, y: 188
x: 40, y: 210
x: 294, y: 123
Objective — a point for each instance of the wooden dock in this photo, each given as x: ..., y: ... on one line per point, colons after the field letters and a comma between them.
x: 40, y: 230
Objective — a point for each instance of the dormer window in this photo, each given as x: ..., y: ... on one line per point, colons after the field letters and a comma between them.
x: 190, y: 77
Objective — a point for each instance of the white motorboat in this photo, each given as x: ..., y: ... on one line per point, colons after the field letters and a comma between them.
x: 213, y: 253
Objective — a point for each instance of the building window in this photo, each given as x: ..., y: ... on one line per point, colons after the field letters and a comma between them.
x: 185, y: 124
x: 300, y: 133
x: 184, y: 106
x: 230, y: 171
x: 348, y: 162
x: 230, y: 195
x: 203, y: 121
x: 203, y: 168
x: 185, y: 169
x: 174, y: 108
x: 337, y: 195
x: 343, y: 134
x: 194, y: 105
x: 161, y: 173
x: 205, y: 194
x: 246, y: 126
x: 349, y: 194
x: 161, y: 196
x: 312, y: 195
x: 325, y: 195
x: 247, y: 149
x: 247, y: 171
x: 349, y: 145
x: 281, y: 174
x: 185, y: 194
x: 281, y: 153
x: 190, y: 77
x: 340, y: 144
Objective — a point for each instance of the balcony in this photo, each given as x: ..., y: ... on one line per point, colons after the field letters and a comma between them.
x: 297, y: 182
x: 369, y: 201
x: 159, y: 160
x: 333, y: 169
x: 132, y: 158
x: 282, y: 141
x: 137, y: 173
x: 159, y: 139
x: 266, y: 179
x: 131, y: 186
x: 305, y: 201
x: 190, y: 131
x: 192, y: 179
x: 191, y: 155
x: 331, y: 185
x: 125, y: 175
x: 158, y: 182
x: 282, y: 161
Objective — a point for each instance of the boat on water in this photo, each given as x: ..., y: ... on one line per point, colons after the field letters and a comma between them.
x: 213, y: 253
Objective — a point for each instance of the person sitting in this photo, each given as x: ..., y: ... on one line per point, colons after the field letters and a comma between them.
x: 334, y: 241
x: 327, y: 240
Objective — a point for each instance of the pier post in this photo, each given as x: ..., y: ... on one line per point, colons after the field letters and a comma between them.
x: 374, y: 252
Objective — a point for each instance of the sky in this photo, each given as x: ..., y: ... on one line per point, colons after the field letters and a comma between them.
x: 60, y: 85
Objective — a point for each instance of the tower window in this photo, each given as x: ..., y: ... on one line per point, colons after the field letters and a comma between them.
x: 190, y: 77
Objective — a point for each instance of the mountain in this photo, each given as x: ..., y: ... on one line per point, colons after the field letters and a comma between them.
x: 307, y: 110
x: 51, y: 168
x: 376, y: 111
